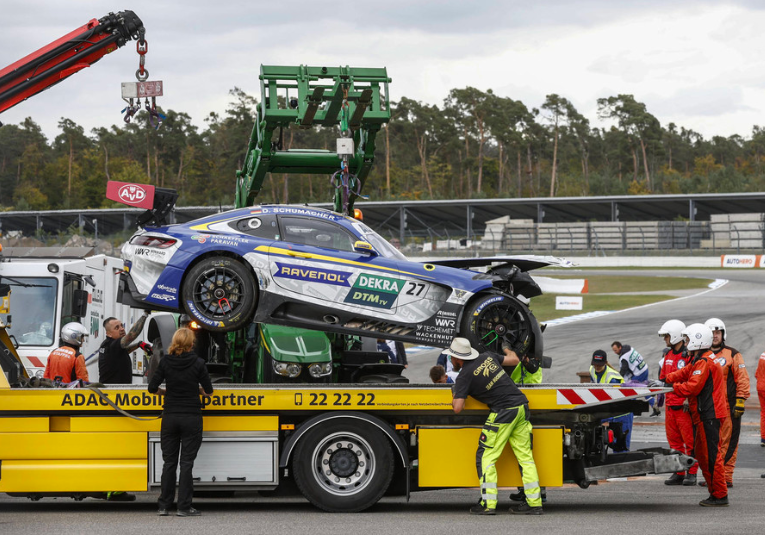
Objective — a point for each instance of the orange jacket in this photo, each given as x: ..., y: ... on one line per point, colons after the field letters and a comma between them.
x: 760, y: 373
x: 701, y: 381
x: 67, y: 363
x: 734, y: 373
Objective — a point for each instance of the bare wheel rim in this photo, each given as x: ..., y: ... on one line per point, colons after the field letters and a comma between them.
x: 343, y: 463
x: 501, y: 323
x: 218, y: 292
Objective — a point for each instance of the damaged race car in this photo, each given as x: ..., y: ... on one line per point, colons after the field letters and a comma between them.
x: 312, y: 268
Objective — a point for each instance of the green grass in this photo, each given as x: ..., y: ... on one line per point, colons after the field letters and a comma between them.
x: 543, y: 306
x: 600, y: 284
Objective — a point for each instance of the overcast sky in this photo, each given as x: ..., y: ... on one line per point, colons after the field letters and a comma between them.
x: 697, y: 63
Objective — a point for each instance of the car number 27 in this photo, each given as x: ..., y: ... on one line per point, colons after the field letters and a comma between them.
x: 416, y: 289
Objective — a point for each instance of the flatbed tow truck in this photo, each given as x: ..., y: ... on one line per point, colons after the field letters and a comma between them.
x: 343, y: 447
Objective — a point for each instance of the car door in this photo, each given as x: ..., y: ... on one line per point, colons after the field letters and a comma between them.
x: 315, y: 262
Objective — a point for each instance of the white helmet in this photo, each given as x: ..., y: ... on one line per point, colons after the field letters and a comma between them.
x: 698, y: 336
x: 674, y: 328
x: 74, y: 333
x: 716, y: 324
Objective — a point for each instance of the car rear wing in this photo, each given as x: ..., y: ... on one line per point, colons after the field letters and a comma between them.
x: 523, y: 262
x: 159, y: 202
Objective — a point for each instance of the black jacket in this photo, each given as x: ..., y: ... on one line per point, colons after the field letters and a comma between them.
x: 183, y: 373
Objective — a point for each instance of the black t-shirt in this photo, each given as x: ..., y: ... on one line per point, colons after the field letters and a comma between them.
x: 114, y: 364
x: 485, y: 380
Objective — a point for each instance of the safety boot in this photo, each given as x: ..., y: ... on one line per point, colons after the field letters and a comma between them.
x: 714, y: 502
x: 479, y: 509
x: 690, y: 480
x: 675, y: 479
x: 526, y: 509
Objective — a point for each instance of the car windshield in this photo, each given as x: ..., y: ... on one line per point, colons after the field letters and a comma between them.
x: 33, y: 309
x: 382, y: 247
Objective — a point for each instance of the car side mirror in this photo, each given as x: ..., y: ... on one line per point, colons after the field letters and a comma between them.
x: 364, y: 248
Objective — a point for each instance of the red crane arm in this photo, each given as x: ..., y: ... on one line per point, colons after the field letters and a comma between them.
x: 65, y: 56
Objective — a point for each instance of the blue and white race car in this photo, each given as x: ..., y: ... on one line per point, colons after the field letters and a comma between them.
x: 316, y: 269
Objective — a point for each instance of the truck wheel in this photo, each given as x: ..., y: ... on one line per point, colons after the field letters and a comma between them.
x: 220, y: 292
x: 492, y: 320
x: 343, y: 466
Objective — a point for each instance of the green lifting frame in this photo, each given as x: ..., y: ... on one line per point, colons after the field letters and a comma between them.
x: 313, y: 97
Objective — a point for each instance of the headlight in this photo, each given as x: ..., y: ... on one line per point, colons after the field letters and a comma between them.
x: 290, y: 370
x: 320, y: 369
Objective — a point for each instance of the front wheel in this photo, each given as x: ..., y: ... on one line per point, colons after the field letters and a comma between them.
x: 220, y: 292
x: 343, y: 466
x: 493, y: 320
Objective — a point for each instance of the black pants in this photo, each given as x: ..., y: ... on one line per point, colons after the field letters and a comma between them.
x: 181, y: 433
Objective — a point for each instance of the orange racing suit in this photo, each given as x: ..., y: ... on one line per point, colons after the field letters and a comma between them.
x: 760, y: 376
x: 737, y: 384
x: 66, y: 362
x: 701, y: 381
x: 678, y: 423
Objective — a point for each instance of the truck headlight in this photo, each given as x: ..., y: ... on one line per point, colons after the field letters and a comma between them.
x: 290, y: 370
x: 320, y: 369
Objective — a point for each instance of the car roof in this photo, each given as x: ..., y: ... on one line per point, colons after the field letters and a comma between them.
x: 278, y: 209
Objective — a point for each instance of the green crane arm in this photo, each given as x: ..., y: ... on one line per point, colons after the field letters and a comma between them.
x: 313, y: 96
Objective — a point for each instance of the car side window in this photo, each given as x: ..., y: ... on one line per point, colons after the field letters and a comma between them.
x: 258, y: 225
x: 314, y: 232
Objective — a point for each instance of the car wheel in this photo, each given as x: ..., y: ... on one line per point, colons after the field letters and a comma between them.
x: 220, y: 292
x: 492, y: 320
x: 343, y: 466
x: 157, y: 353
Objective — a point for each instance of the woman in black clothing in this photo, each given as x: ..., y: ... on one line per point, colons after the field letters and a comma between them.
x: 184, y: 372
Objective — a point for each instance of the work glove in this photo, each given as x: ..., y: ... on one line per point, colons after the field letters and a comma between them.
x: 686, y: 405
x: 656, y: 384
x: 738, y: 410
x: 146, y: 347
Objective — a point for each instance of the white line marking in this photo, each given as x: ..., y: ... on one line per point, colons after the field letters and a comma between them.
x: 718, y: 283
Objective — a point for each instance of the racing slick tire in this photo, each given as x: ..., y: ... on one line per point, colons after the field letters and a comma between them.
x: 343, y: 466
x: 494, y: 319
x: 157, y: 353
x: 220, y: 292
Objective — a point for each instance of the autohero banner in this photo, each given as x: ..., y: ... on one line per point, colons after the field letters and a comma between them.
x: 144, y: 400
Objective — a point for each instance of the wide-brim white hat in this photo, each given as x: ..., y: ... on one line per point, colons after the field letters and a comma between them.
x: 461, y: 349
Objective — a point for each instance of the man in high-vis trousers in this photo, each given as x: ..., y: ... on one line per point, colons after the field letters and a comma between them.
x: 482, y: 377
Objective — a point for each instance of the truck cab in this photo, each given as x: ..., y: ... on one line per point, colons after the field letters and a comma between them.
x: 52, y: 288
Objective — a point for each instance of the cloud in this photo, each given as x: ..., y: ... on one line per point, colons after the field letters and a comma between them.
x: 681, y: 58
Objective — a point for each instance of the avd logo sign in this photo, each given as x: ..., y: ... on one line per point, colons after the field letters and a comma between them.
x: 132, y: 194
x: 138, y: 195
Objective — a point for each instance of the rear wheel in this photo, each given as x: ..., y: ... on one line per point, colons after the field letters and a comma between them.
x: 492, y: 320
x: 157, y: 354
x: 220, y: 292
x: 343, y: 466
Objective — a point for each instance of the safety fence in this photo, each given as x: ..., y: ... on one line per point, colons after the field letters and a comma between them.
x: 724, y: 233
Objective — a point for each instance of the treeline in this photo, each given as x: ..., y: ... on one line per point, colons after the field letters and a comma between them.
x: 475, y: 145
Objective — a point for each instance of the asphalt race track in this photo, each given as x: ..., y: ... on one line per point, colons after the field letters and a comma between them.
x: 635, y: 506
x: 740, y: 304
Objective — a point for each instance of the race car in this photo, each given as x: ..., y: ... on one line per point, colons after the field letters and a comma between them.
x: 312, y: 268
